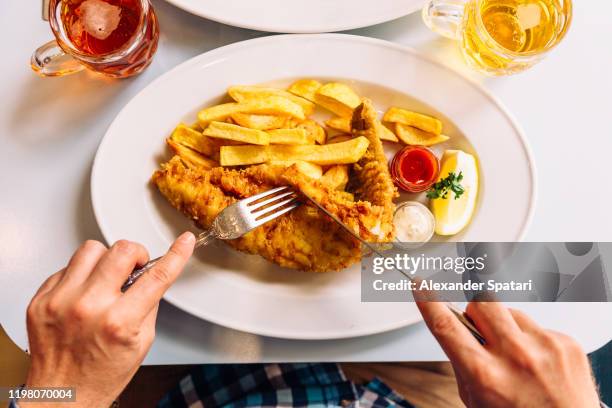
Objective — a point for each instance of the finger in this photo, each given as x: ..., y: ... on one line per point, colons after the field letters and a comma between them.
x: 524, y: 322
x: 454, y: 338
x: 49, y: 284
x: 116, y: 264
x: 146, y: 293
x: 493, y: 320
x: 83, y: 262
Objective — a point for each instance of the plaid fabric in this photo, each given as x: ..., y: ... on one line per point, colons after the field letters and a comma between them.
x: 277, y: 385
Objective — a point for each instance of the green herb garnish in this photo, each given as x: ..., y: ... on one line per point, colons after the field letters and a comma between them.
x: 441, y: 188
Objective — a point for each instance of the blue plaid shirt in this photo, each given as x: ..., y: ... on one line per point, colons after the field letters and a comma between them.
x: 277, y: 385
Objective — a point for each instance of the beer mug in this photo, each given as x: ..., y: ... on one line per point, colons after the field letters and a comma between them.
x: 117, y: 38
x: 501, y: 37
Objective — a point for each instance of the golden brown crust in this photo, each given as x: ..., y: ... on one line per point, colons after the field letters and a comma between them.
x: 305, y: 238
x: 370, y: 178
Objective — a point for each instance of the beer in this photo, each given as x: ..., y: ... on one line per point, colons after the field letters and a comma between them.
x: 117, y: 38
x: 501, y: 36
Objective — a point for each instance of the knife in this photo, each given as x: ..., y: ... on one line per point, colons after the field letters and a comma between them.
x: 463, y: 318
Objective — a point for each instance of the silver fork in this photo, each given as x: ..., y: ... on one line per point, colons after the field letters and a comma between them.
x: 236, y: 220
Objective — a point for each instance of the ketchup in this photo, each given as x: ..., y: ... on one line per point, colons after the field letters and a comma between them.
x: 414, y: 168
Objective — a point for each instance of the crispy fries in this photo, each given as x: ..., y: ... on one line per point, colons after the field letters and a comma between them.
x: 423, y: 122
x: 306, y: 88
x: 310, y: 169
x: 259, y: 122
x: 387, y: 134
x: 227, y: 131
x: 190, y: 157
x: 272, y: 125
x: 270, y: 105
x: 195, y: 140
x: 295, y: 136
x: 342, y: 137
x: 336, y: 177
x: 195, y: 126
x: 218, y: 113
x: 337, y: 98
x: 314, y: 130
x: 247, y: 93
x: 342, y: 124
x: 338, y: 153
x: 413, y: 136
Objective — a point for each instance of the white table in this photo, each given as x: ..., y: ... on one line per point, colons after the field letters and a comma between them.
x: 50, y: 128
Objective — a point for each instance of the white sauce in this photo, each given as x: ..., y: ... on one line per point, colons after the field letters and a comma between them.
x: 413, y: 223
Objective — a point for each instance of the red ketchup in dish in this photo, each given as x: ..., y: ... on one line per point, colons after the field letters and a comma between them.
x: 414, y: 168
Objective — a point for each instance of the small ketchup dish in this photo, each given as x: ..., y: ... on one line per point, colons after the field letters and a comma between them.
x: 414, y: 168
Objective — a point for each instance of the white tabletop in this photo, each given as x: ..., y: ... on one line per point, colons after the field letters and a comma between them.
x: 50, y: 129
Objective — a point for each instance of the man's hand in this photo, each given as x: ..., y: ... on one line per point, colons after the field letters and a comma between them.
x: 85, y: 333
x: 521, y: 365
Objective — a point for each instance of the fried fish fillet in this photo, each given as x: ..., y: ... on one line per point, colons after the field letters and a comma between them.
x: 304, y: 238
x: 370, y: 179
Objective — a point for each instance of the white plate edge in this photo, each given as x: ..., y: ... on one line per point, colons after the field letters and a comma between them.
x: 181, y: 4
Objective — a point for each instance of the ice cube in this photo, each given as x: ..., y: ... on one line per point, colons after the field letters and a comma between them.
x: 99, y: 18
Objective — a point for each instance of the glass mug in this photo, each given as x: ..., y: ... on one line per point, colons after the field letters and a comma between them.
x: 117, y: 38
x: 501, y: 37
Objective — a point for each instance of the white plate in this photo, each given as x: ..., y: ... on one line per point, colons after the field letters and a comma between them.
x: 300, y: 16
x: 245, y: 292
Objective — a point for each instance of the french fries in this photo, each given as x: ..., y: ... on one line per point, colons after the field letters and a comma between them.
x: 336, y: 177
x: 314, y: 130
x: 387, y: 134
x: 218, y: 113
x: 310, y: 169
x: 342, y: 124
x: 193, y: 139
x: 423, y: 122
x: 273, y: 105
x: 337, y: 153
x: 337, y: 98
x: 270, y: 105
x: 306, y: 88
x: 339, y: 138
x: 413, y: 136
x: 190, y: 157
x: 237, y: 133
x: 295, y: 136
x: 195, y: 126
x: 259, y: 122
x: 247, y: 93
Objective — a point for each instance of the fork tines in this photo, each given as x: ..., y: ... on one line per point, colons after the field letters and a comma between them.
x: 271, y: 204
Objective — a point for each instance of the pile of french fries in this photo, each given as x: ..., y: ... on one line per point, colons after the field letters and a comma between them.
x: 271, y: 125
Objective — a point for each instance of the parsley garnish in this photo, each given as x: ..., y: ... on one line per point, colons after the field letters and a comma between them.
x: 441, y: 188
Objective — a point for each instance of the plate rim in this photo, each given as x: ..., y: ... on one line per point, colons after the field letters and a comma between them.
x: 329, y: 28
x: 322, y: 37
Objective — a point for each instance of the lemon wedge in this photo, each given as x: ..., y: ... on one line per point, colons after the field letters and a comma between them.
x: 452, y: 215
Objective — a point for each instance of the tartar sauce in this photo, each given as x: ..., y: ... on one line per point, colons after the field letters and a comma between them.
x: 414, y: 223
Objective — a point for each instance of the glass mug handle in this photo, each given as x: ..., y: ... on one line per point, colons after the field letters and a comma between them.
x: 444, y: 16
x: 50, y: 60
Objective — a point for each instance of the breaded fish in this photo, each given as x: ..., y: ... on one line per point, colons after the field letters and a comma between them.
x: 304, y: 238
x: 370, y: 179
